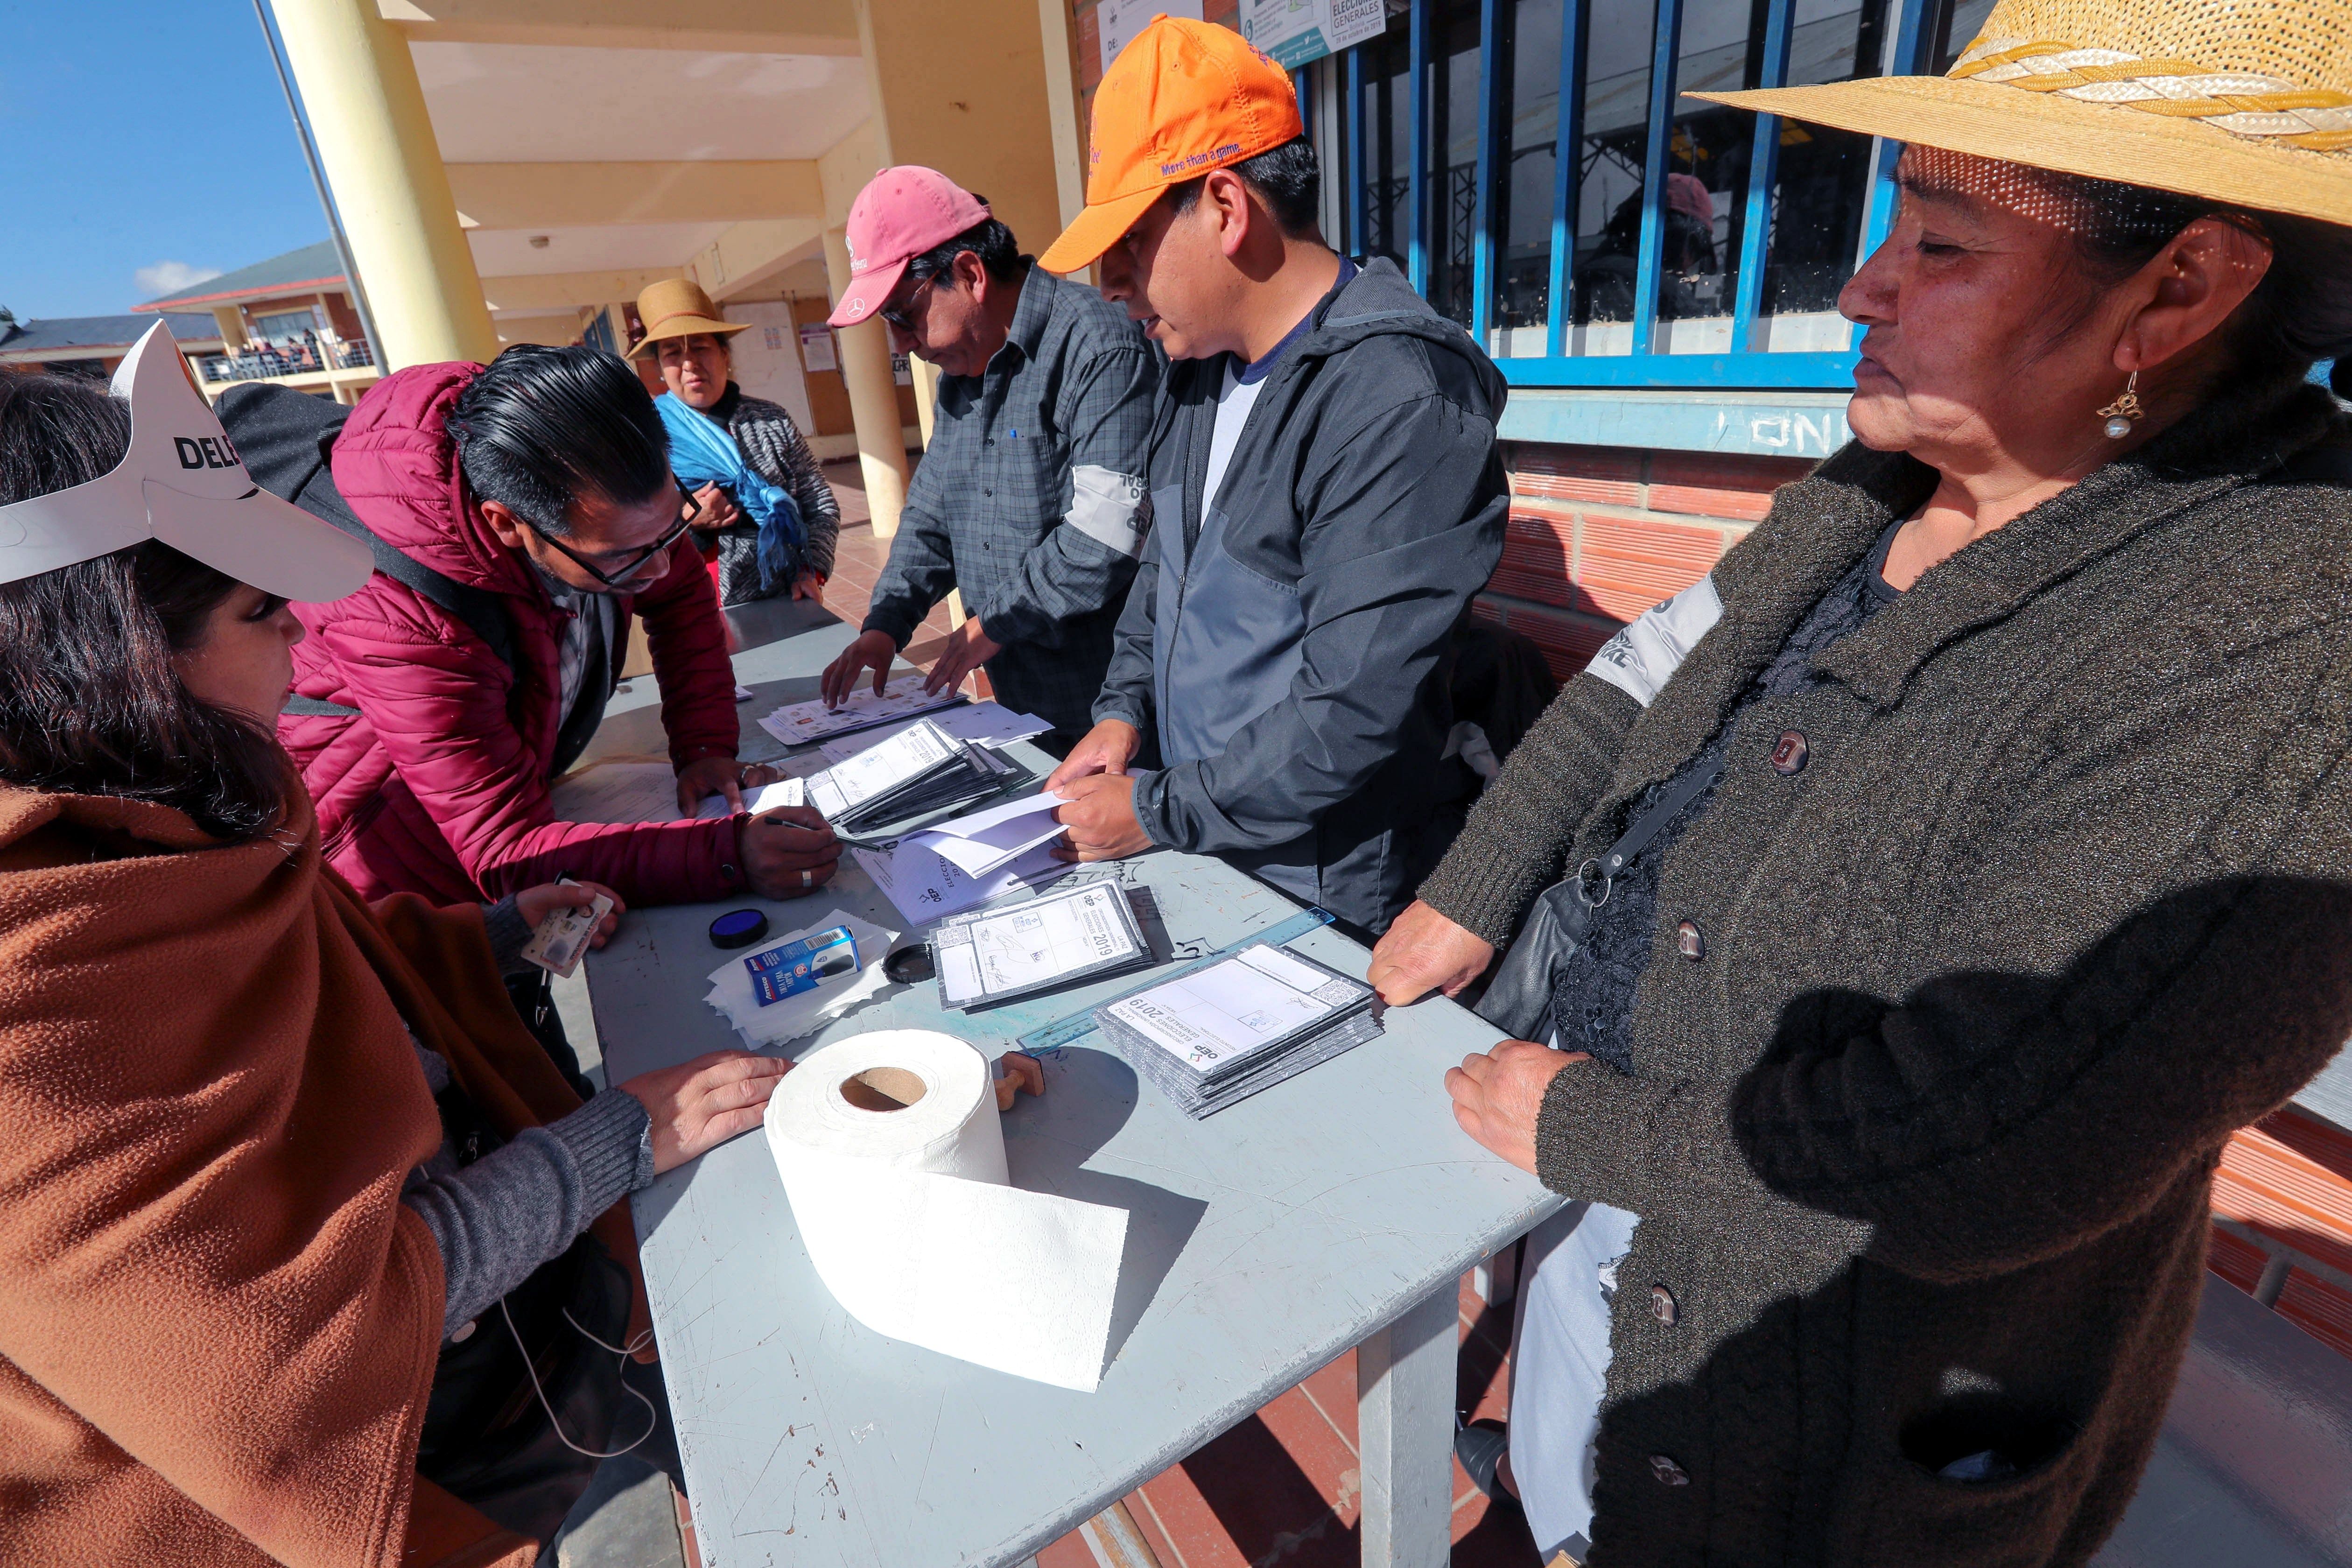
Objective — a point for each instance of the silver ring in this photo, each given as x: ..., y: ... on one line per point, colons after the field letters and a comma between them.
x: 807, y: 880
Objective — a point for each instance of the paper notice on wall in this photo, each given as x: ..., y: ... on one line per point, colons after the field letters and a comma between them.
x: 1119, y: 20
x: 1294, y: 32
x: 816, y: 346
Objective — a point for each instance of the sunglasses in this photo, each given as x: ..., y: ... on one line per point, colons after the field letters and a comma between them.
x: 897, y: 314
x: 629, y: 570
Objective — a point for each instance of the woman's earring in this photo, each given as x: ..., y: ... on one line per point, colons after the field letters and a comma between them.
x: 2124, y: 411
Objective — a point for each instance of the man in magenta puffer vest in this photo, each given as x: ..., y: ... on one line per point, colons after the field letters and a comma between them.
x: 434, y: 778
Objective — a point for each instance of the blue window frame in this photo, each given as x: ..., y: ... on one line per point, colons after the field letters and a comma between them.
x: 1537, y: 169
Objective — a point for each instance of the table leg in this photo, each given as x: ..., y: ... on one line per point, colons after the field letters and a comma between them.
x: 1404, y: 1423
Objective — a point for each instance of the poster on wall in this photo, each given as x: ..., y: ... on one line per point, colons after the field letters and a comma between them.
x: 1117, y: 21
x: 817, y: 347
x: 1294, y: 32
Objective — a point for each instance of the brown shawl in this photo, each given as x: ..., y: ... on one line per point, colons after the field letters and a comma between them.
x: 218, y: 1324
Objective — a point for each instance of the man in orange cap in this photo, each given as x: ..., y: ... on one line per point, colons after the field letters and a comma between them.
x: 1325, y: 497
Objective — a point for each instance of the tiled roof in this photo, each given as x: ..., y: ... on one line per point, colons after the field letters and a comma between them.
x: 312, y: 266
x: 102, y: 332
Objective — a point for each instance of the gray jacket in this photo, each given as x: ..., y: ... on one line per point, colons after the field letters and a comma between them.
x: 1030, y: 500
x: 1281, y: 643
x: 1946, y: 1026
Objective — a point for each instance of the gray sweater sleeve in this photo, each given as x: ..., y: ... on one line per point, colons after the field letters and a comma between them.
x: 502, y: 922
x: 519, y: 1206
x: 1512, y: 847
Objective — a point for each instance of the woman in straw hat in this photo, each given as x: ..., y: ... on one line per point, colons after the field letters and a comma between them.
x: 688, y: 343
x: 1951, y: 871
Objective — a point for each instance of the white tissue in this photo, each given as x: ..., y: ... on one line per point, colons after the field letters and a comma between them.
x: 774, y: 1024
x: 911, y: 1222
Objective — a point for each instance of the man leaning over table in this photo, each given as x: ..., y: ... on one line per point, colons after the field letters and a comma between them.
x: 1325, y: 496
x: 1030, y: 497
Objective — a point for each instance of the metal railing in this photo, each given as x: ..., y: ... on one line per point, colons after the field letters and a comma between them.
x: 266, y: 361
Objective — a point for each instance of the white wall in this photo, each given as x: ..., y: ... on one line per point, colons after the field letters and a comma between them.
x: 771, y: 372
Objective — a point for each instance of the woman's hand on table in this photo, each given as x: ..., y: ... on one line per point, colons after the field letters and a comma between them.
x: 535, y: 904
x: 788, y: 851
x: 1498, y: 1094
x: 809, y: 586
x: 700, y: 1104
x: 1425, y: 951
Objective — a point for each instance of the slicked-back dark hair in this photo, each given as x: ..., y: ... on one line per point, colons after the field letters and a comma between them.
x: 541, y: 427
x: 1288, y: 179
x: 90, y: 702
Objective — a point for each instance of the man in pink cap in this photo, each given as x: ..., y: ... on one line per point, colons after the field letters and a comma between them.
x: 1030, y: 496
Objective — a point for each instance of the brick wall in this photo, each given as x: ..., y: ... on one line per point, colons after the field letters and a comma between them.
x: 1598, y: 534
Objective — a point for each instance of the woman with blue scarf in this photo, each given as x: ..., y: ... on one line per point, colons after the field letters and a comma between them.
x: 766, y: 508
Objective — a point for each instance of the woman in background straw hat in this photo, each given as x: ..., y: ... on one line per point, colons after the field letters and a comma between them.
x: 688, y: 343
x: 1952, y: 870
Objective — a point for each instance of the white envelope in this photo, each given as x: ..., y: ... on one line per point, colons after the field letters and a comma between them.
x: 981, y: 842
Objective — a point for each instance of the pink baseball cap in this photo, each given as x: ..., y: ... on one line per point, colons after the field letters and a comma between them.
x: 901, y: 212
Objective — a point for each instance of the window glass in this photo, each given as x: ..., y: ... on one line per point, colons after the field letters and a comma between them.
x: 1450, y: 194
x: 1608, y: 177
x: 1957, y: 27
x: 287, y: 323
x: 1528, y: 87
x: 1822, y: 193
x: 1387, y: 142
x: 1708, y: 158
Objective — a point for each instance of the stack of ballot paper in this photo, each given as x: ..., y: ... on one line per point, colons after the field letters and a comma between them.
x: 1216, y: 1035
x: 797, y: 724
x: 986, y: 841
x: 917, y: 772
x: 735, y: 990
x: 926, y: 887
x: 991, y: 723
x: 994, y: 956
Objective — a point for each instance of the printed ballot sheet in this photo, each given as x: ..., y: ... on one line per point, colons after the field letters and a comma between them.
x: 926, y: 887
x: 987, y: 840
x: 1221, y: 1014
x: 987, y: 723
x: 797, y: 724
x: 1046, y: 942
x: 913, y: 753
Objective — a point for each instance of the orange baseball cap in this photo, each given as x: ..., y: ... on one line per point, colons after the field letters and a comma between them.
x: 1182, y: 98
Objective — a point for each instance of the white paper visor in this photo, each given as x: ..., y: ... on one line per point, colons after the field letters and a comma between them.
x: 181, y: 482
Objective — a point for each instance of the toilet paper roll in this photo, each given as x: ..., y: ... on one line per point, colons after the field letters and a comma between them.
x: 892, y: 1157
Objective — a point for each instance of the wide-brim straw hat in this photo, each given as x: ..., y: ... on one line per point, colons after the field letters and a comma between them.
x: 678, y: 308
x: 2243, y: 101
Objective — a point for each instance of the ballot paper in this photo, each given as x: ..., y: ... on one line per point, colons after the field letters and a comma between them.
x: 1061, y: 939
x: 797, y: 724
x: 909, y: 779
x: 734, y: 994
x: 891, y: 1153
x: 557, y: 945
x: 768, y: 798
x: 991, y: 723
x: 984, y: 841
x: 1218, y: 1034
x: 910, y: 755
x: 926, y: 887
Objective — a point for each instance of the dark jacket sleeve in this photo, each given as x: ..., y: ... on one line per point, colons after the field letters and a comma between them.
x: 2021, y: 1100
x: 1404, y: 524
x: 922, y: 568
x: 687, y: 636
x: 1518, y: 836
x: 1127, y: 686
x: 1084, y: 562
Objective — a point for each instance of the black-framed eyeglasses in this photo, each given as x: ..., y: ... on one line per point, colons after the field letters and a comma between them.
x: 897, y: 314
x: 691, y: 509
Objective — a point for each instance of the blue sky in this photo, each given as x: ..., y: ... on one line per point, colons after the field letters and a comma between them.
x: 139, y: 132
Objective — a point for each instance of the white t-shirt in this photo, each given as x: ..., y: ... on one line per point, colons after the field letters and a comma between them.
x: 1233, y: 406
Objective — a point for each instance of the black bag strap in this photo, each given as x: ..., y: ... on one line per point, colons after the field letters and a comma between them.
x: 1603, y: 871
x: 285, y: 437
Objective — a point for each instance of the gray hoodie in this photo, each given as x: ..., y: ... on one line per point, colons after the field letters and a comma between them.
x: 1281, y: 645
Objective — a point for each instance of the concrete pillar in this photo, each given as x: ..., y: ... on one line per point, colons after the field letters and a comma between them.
x: 873, y: 399
x: 231, y: 322
x: 926, y: 395
x: 359, y: 88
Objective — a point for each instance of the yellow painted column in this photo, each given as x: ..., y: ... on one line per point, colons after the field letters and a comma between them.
x: 367, y: 111
x: 927, y: 395
x: 873, y: 399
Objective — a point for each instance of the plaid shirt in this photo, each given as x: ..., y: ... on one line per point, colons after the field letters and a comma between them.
x: 1031, y: 500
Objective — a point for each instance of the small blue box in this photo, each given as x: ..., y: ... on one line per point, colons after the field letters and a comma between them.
x: 798, y: 966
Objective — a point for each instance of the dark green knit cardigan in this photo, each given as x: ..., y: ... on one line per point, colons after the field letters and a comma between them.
x: 1922, y: 1139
